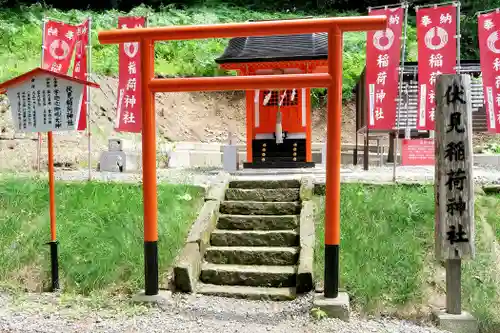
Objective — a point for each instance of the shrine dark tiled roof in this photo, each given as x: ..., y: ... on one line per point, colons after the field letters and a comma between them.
x: 276, y: 48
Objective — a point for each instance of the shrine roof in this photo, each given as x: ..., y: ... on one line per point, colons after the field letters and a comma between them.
x: 38, y: 70
x: 276, y: 48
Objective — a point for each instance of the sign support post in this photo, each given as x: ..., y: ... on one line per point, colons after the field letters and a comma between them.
x: 52, y: 211
x: 454, y: 191
x: 45, y: 101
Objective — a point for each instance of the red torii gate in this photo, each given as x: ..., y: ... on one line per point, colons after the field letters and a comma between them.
x: 332, y: 80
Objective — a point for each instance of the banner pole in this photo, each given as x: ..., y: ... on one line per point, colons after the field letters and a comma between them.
x: 458, y: 38
x: 39, y: 142
x: 401, y: 76
x: 88, y: 101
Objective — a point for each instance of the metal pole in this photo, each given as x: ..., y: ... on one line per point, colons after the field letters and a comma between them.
x: 401, y: 70
x: 333, y: 157
x: 485, y: 11
x: 89, y: 76
x: 435, y: 4
x: 52, y: 213
x: 39, y: 142
x: 149, y: 169
x: 458, y: 38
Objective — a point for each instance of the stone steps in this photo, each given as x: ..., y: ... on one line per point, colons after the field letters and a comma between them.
x: 252, y: 255
x: 259, y: 208
x: 254, y: 238
x: 269, y: 195
x: 249, y: 275
x: 258, y: 222
x: 246, y: 292
x: 265, y: 184
x: 254, y: 249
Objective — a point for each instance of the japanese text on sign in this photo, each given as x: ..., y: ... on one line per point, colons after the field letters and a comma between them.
x: 489, y: 54
x: 45, y: 103
x: 129, y: 92
x: 436, y: 30
x: 454, y: 180
x: 383, y: 56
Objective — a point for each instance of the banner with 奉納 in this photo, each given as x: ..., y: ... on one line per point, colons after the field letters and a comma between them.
x: 80, y: 66
x: 59, y: 40
x: 437, y: 54
x: 382, y: 64
x: 489, y: 56
x: 128, y: 110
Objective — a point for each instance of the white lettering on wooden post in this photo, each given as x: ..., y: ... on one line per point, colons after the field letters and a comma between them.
x: 454, y: 188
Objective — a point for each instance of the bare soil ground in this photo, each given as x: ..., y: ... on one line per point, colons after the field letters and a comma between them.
x: 201, y: 117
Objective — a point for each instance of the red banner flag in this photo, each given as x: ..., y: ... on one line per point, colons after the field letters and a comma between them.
x: 128, y: 110
x: 437, y: 54
x: 489, y: 55
x: 58, y: 45
x: 80, y: 67
x: 382, y: 63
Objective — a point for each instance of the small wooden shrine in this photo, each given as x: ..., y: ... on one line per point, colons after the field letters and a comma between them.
x: 278, y: 122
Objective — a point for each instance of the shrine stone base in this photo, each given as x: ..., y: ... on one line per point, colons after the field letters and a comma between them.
x: 456, y: 323
x: 334, y: 307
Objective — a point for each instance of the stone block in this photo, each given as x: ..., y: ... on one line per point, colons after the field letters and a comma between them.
x: 119, y: 161
x: 188, y: 267
x: 334, y: 307
x: 162, y: 297
x: 205, y: 159
x: 306, y: 188
x: 456, y: 323
x: 230, y: 158
x: 204, y: 225
x: 217, y: 190
x: 179, y: 159
x: 305, y: 267
x: 120, y: 144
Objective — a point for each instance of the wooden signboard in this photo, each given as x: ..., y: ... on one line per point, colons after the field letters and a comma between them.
x: 454, y: 230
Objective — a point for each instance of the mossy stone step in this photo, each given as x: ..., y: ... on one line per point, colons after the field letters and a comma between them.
x: 263, y: 194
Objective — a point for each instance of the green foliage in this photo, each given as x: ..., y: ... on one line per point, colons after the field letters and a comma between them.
x: 21, y: 30
x: 387, y: 251
x: 100, y: 230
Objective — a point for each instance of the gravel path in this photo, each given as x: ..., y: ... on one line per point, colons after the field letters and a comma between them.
x: 186, y: 313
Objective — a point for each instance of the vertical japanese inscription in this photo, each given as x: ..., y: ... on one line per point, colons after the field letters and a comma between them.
x: 454, y: 179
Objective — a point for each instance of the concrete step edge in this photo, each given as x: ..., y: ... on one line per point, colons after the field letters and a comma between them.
x: 247, y: 292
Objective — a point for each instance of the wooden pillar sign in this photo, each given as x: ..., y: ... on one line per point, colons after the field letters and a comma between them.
x: 454, y: 188
x: 454, y: 180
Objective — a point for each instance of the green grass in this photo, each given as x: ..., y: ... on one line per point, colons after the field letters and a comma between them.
x: 21, y: 37
x: 387, y: 251
x: 99, y: 228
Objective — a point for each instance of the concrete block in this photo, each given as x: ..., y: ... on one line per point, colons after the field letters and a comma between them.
x: 217, y: 190
x: 179, y: 159
x: 323, y: 154
x: 230, y: 158
x: 161, y: 297
x: 205, y: 159
x: 204, y: 225
x: 334, y: 307
x: 305, y: 267
x: 119, y: 161
x: 188, y: 267
x: 306, y: 188
x: 461, y: 323
x: 120, y: 144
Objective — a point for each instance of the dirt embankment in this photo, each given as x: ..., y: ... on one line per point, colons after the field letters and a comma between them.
x: 202, y: 117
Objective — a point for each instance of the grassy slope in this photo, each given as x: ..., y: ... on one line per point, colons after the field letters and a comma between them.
x: 20, y: 36
x: 387, y: 245
x: 100, y: 230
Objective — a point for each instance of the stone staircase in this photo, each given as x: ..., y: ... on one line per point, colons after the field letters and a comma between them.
x: 254, y: 250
